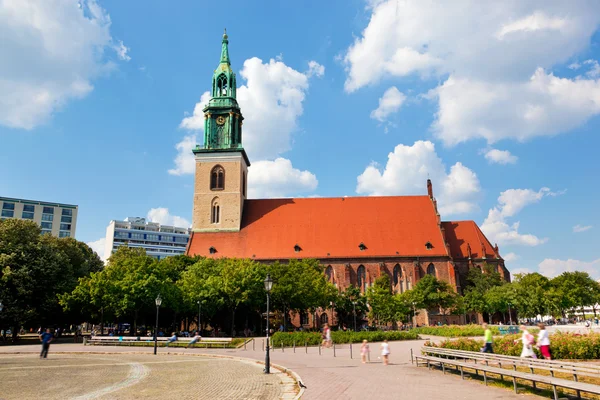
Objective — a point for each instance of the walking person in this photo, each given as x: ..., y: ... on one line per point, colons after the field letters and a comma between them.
x: 488, y: 339
x: 385, y: 352
x: 46, y: 338
x: 543, y: 342
x: 528, y: 341
x: 327, y: 336
x: 364, y: 351
x: 171, y: 339
x: 194, y: 339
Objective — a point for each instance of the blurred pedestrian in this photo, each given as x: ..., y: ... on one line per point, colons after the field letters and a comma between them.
x: 543, y: 342
x: 46, y: 338
x: 194, y: 339
x: 488, y: 339
x: 364, y: 351
x: 385, y: 352
x: 528, y: 341
x: 171, y: 339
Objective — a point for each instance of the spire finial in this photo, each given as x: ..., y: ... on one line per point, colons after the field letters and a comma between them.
x: 225, y: 34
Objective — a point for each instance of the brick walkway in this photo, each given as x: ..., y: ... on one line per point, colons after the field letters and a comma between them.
x: 329, y: 377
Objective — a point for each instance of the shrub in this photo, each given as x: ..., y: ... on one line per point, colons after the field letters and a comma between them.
x: 314, y: 338
x: 570, y: 346
x: 454, y: 330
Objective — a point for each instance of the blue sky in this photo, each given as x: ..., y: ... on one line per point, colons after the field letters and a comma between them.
x: 341, y: 98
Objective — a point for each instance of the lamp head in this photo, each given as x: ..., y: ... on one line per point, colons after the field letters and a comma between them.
x: 268, y: 283
x: 158, y: 300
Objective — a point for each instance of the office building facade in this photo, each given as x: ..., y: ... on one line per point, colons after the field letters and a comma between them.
x: 157, y: 240
x: 55, y: 219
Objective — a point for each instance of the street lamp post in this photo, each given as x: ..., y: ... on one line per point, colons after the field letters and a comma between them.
x: 414, y: 315
x: 268, y: 287
x: 199, y: 318
x: 509, y: 314
x: 354, y: 308
x: 332, y: 304
x: 158, y: 302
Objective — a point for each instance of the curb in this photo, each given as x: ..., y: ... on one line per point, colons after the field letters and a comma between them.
x: 285, y: 370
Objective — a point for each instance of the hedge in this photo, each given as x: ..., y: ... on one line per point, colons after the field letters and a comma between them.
x: 454, y: 330
x: 563, y: 345
x: 314, y: 338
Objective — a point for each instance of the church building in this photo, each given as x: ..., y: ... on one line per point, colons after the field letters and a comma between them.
x: 357, y: 239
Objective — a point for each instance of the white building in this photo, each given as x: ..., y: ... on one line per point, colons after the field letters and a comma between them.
x: 54, y: 218
x: 158, y: 240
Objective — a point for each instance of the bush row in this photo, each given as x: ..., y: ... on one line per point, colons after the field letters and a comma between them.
x: 570, y: 346
x: 314, y: 338
x: 454, y: 330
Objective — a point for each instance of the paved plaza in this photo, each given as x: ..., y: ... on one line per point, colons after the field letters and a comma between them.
x: 137, y: 376
x: 175, y: 373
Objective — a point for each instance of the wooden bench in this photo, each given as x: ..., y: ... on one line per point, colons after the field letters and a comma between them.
x: 459, y: 359
x: 127, y: 340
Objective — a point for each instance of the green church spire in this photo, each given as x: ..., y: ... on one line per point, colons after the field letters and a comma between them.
x: 222, y: 114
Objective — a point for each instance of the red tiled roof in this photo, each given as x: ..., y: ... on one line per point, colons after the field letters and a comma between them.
x: 459, y: 234
x: 328, y: 227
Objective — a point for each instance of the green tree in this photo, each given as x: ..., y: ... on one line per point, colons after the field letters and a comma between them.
x: 578, y: 289
x: 529, y: 292
x: 348, y: 302
x: 431, y: 293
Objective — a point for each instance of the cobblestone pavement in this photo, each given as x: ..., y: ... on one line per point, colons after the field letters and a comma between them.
x: 137, y: 376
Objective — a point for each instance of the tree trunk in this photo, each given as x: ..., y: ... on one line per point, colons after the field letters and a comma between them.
x: 284, y: 319
x: 135, y: 322
x: 233, y: 322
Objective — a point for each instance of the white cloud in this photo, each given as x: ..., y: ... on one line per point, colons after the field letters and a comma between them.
x: 494, y: 61
x: 511, y: 257
x: 163, y: 217
x: 594, y: 71
x: 51, y: 52
x: 511, y: 202
x: 184, y: 161
x: 574, y: 66
x: 389, y: 103
x: 122, y: 51
x: 581, y: 228
x: 500, y: 157
x: 268, y: 179
x: 195, y: 121
x: 98, y: 247
x: 406, y: 173
x: 315, y: 69
x: 554, y: 267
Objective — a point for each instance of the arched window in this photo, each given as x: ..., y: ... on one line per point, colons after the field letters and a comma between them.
x: 397, y: 274
x: 431, y: 269
x: 215, y: 212
x: 222, y: 85
x: 303, y: 318
x: 324, y: 318
x: 217, y: 178
x: 329, y: 273
x: 361, y: 277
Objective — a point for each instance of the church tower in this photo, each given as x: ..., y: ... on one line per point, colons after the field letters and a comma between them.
x: 220, y: 184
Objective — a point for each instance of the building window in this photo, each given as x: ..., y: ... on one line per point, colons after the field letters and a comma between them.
x: 324, y: 319
x: 8, y: 213
x: 67, y: 211
x: 360, y: 277
x: 397, y: 274
x: 152, y: 237
x: 27, y: 215
x: 329, y: 273
x: 428, y: 246
x: 222, y: 85
x: 122, y: 235
x: 64, y: 234
x: 65, y: 227
x: 29, y: 208
x: 217, y: 178
x: 8, y: 206
x: 48, y: 210
x: 215, y: 214
x: 303, y: 318
x: 137, y: 236
x: 212, y: 250
x: 46, y: 225
x: 47, y: 217
x: 46, y: 232
x: 431, y: 269
x: 66, y: 219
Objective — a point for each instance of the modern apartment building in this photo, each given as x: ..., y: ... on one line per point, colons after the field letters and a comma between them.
x: 54, y: 218
x: 158, y: 240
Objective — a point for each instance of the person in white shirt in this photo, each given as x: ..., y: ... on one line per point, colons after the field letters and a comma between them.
x: 528, y: 341
x: 385, y: 352
x: 543, y: 342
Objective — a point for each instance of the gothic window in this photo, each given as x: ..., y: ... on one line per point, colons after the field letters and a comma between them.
x: 215, y: 212
x: 397, y: 274
x: 361, y: 278
x: 431, y: 269
x: 324, y: 318
x: 303, y: 318
x: 222, y: 85
x: 217, y: 178
x: 329, y: 273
